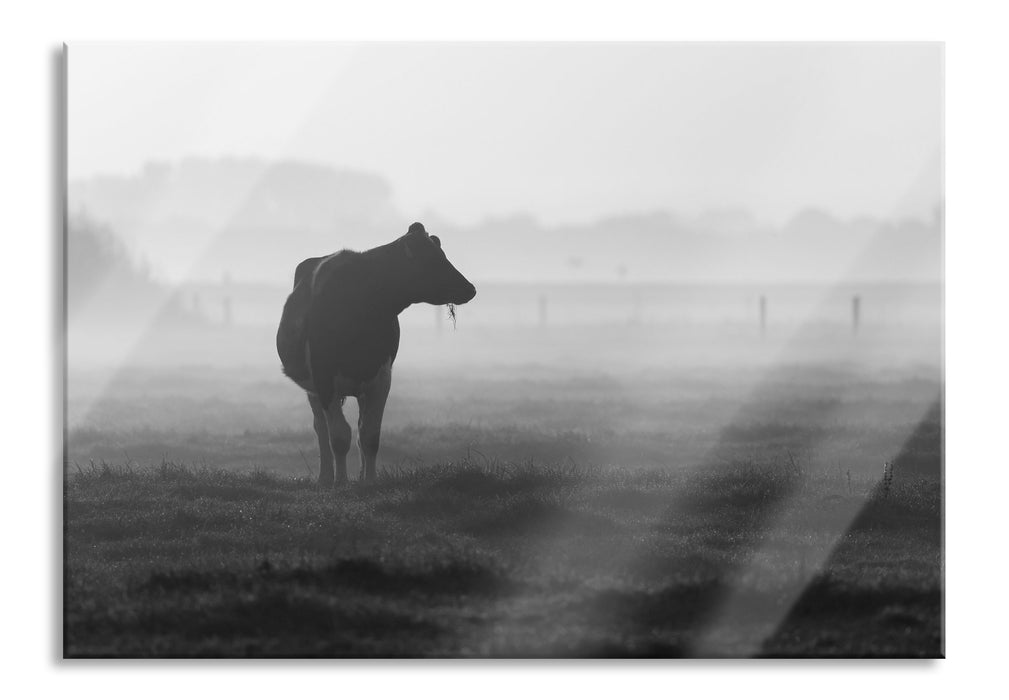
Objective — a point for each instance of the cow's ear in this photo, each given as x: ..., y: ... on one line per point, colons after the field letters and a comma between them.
x: 416, y: 229
x: 436, y: 240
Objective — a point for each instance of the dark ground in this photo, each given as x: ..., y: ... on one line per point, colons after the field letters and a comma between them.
x: 702, y: 514
x: 464, y: 560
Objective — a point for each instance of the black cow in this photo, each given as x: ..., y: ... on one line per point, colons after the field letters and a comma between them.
x: 339, y: 334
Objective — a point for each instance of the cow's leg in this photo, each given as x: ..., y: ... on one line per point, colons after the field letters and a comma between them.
x: 371, y: 405
x: 322, y: 433
x: 339, y: 442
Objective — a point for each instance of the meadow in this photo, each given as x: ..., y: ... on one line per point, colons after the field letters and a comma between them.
x: 491, y: 561
x: 519, y: 512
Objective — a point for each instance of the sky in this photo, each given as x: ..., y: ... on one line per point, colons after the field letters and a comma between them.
x: 563, y: 132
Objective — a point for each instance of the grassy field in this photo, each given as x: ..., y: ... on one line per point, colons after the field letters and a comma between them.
x: 476, y: 560
x: 519, y: 513
x: 255, y: 419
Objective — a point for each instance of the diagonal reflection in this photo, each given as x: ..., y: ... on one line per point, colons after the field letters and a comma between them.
x: 743, y: 597
x: 908, y: 597
x: 105, y: 349
x: 765, y: 517
x: 740, y: 623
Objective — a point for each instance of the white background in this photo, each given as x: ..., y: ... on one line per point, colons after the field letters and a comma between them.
x: 976, y: 186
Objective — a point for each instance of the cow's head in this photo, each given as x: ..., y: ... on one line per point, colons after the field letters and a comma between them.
x: 432, y: 278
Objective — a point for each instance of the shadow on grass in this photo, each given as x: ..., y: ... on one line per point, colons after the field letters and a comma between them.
x: 273, y: 623
x: 479, y: 559
x: 452, y: 579
x: 538, y: 519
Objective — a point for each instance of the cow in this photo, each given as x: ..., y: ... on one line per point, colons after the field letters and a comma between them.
x: 339, y: 335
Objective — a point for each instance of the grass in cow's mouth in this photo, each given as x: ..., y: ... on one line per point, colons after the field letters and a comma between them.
x: 451, y: 314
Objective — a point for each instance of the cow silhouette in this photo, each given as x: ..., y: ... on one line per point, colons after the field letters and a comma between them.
x: 339, y: 335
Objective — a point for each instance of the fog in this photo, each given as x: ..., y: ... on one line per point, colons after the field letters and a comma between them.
x: 622, y: 209
x: 709, y: 310
x: 565, y: 133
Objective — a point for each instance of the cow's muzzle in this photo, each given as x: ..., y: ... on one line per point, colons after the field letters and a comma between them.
x: 457, y: 295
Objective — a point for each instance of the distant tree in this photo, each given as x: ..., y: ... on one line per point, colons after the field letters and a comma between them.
x: 104, y: 277
x: 97, y: 259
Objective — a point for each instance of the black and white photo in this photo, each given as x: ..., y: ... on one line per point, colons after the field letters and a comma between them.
x: 504, y: 350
